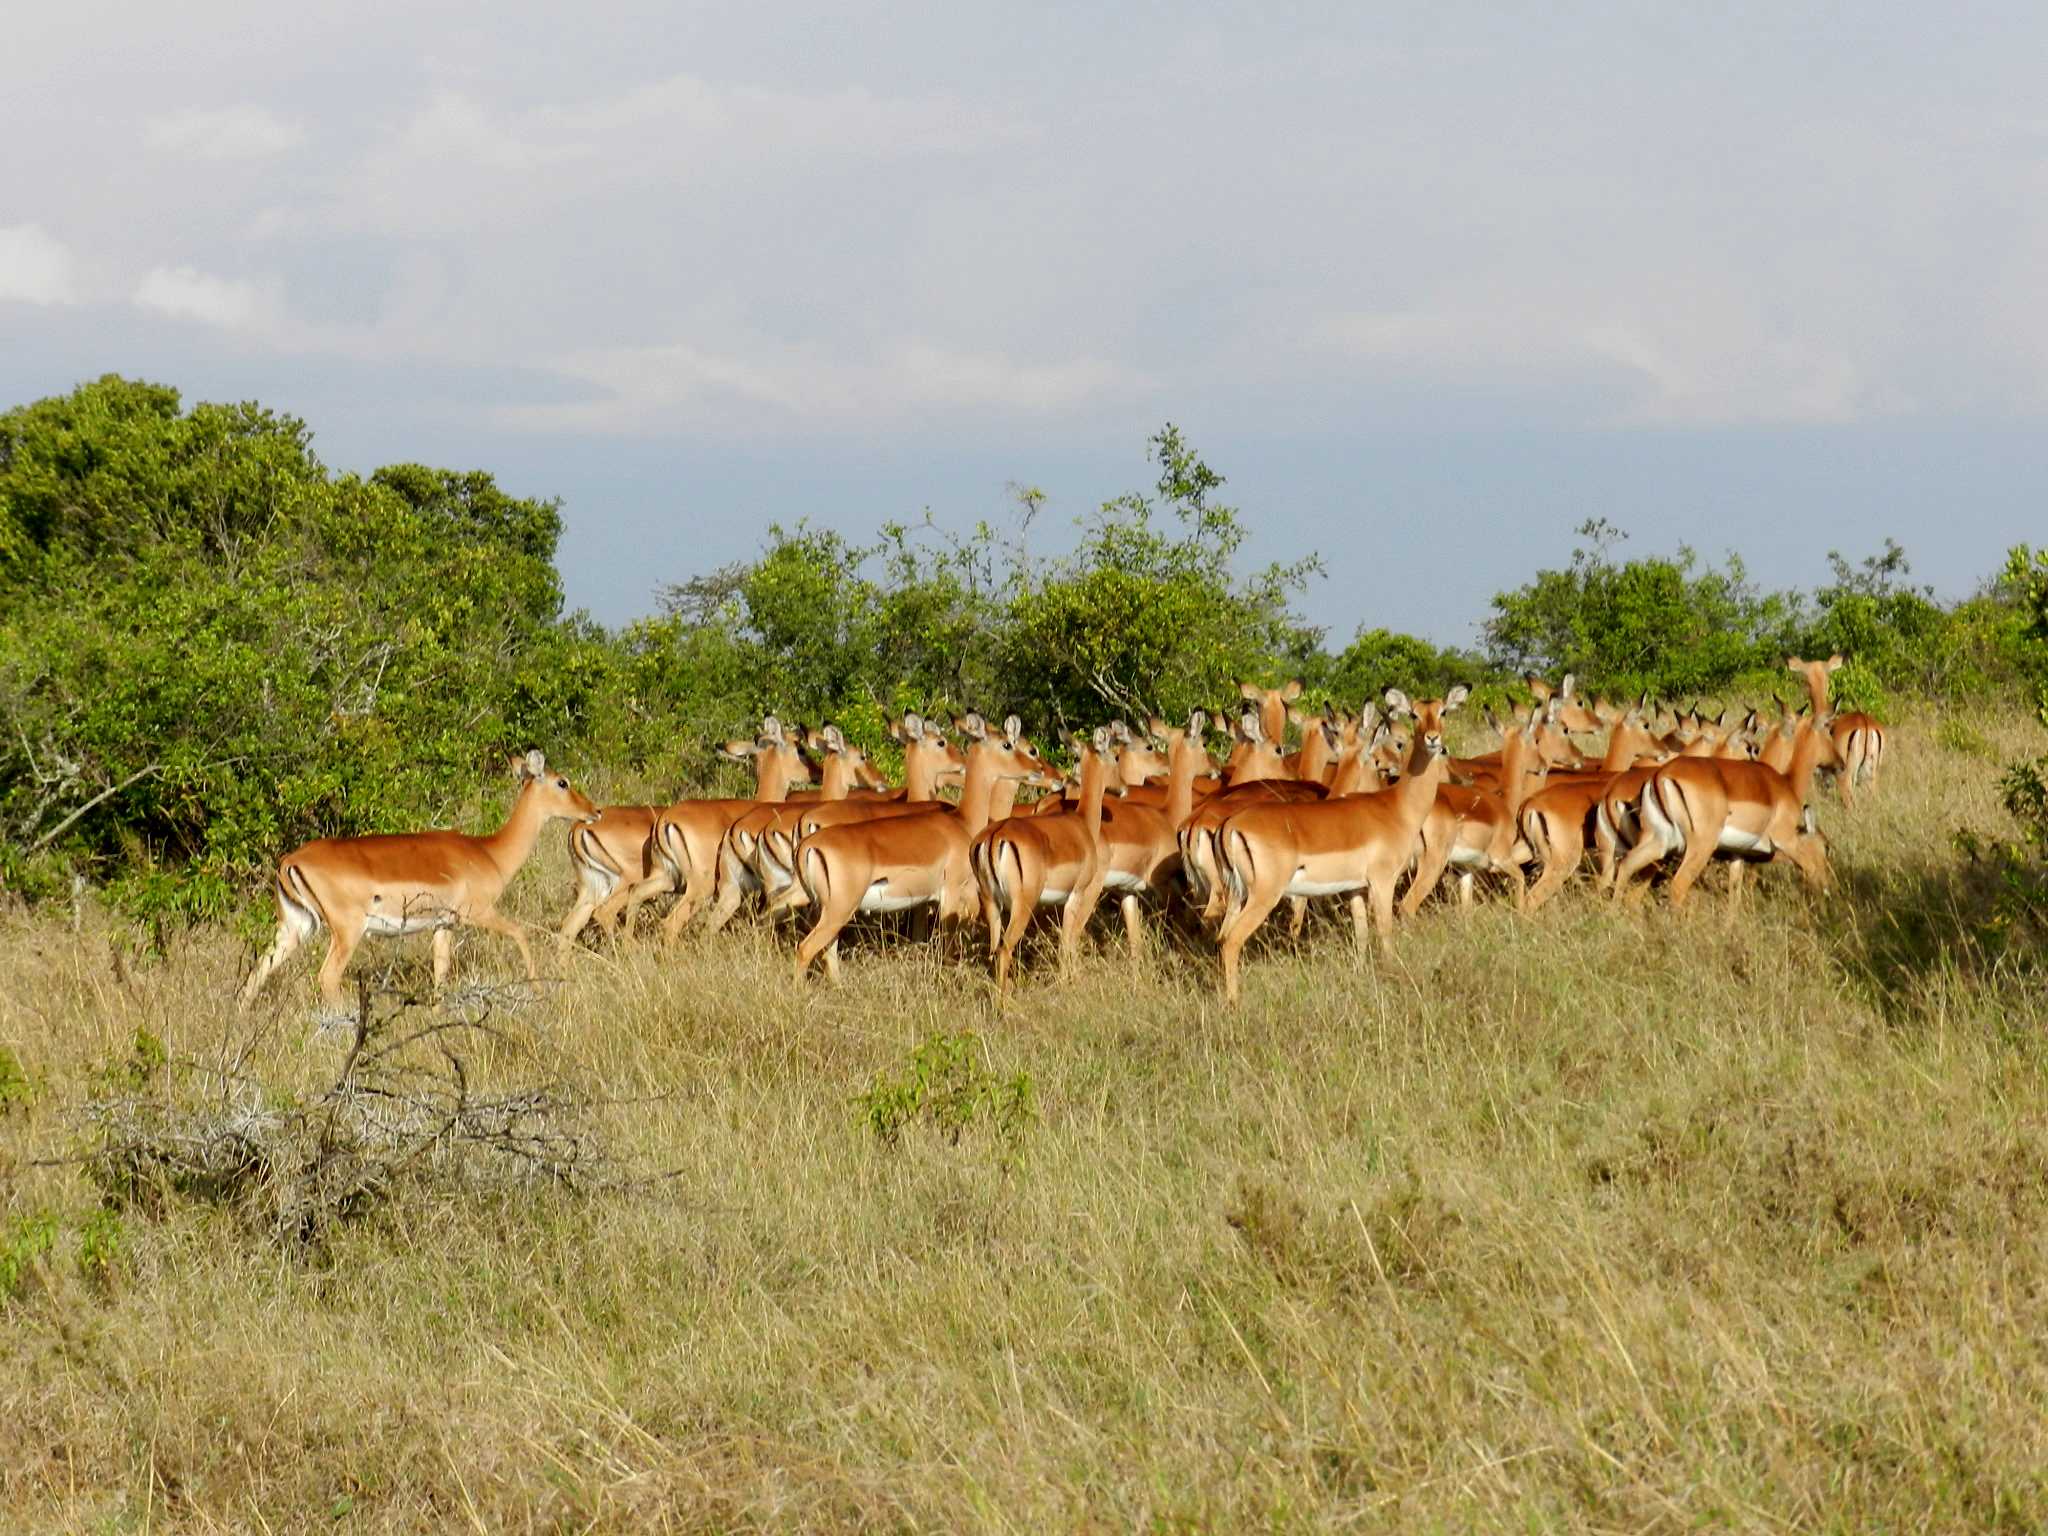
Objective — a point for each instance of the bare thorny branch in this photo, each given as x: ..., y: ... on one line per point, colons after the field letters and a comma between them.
x: 403, y: 1106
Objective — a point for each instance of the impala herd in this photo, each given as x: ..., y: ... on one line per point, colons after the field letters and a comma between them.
x: 1145, y: 817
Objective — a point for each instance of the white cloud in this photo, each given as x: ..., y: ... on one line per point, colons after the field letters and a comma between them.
x: 683, y: 388
x: 185, y: 293
x: 243, y: 132
x: 36, y: 267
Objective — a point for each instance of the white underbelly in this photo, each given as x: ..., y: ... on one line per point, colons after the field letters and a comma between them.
x: 1735, y: 840
x: 1120, y: 880
x: 880, y: 898
x: 386, y: 925
x: 1301, y: 887
x: 1470, y: 858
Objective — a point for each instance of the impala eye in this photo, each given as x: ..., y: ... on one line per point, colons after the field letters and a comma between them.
x: 561, y: 783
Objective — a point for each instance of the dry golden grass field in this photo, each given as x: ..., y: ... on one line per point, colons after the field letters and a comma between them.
x: 1603, y: 1220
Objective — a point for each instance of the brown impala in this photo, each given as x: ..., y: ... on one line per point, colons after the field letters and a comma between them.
x: 413, y: 882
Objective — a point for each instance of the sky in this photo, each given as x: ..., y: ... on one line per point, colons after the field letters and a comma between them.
x: 1430, y: 285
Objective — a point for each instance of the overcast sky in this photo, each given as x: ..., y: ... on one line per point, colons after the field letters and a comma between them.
x: 1430, y: 284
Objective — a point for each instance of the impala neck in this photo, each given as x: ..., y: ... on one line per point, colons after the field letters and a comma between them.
x: 1519, y: 775
x: 921, y: 768
x: 1181, y: 762
x: 1805, y: 759
x: 1315, y: 752
x: 837, y: 778
x: 1817, y: 682
x: 1002, y: 800
x: 1415, y: 795
x: 977, y: 795
x: 511, y: 844
x: 1352, y: 768
x: 1094, y: 784
x: 771, y: 778
x: 1624, y: 743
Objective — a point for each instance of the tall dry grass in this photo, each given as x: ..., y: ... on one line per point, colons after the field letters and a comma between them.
x: 1606, y: 1220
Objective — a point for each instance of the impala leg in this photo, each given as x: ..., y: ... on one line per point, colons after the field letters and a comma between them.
x: 734, y: 881
x: 1464, y: 890
x: 1606, y: 849
x: 493, y: 921
x: 1258, y: 906
x: 1640, y: 858
x: 292, y: 931
x: 1361, y: 924
x: 679, y: 915
x: 1382, y: 894
x: 835, y: 910
x: 1560, y: 853
x: 1518, y: 883
x: 444, y: 956
x: 579, y: 916
x: 629, y: 898
x: 1134, y: 927
x: 342, y: 939
x: 1738, y: 872
x: 1429, y: 869
x: 1074, y: 924
x: 1297, y: 917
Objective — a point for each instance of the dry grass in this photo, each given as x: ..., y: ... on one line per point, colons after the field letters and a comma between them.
x: 1601, y: 1221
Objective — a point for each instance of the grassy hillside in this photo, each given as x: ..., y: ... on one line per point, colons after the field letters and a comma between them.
x: 1605, y: 1221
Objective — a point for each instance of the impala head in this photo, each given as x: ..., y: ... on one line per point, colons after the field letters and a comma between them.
x: 925, y: 748
x: 1272, y: 704
x: 772, y: 752
x: 1428, y: 714
x: 1258, y: 751
x: 832, y: 742
x: 552, y: 791
x: 1007, y: 752
x: 1136, y: 760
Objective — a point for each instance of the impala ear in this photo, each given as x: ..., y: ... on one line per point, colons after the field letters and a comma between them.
x: 1834, y: 661
x: 1250, y: 727
x: 1157, y: 727
x: 535, y: 763
x: 972, y: 726
x: 1120, y: 730
x: 771, y: 729
x: 1455, y: 697
x: 835, y: 739
x: 1398, y: 702
x: 1198, y: 724
x: 1292, y: 691
x: 1294, y: 716
x: 1250, y: 691
x: 1012, y: 729
x: 1570, y: 682
x: 1368, y: 717
x: 1794, y: 664
x: 1101, y: 741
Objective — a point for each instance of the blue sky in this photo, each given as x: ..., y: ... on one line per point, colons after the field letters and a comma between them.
x: 1429, y: 284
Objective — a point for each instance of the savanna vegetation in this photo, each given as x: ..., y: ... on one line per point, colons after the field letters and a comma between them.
x: 1609, y: 1217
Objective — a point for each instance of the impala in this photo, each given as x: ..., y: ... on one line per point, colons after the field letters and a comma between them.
x: 1617, y: 818
x: 1028, y: 862
x: 927, y: 758
x: 745, y: 866
x: 1477, y: 830
x: 413, y: 882
x: 1257, y: 772
x: 1554, y: 820
x: 1140, y: 842
x: 1350, y: 844
x: 681, y: 851
x: 914, y: 861
x: 1859, y: 738
x: 1703, y: 806
x: 1571, y: 716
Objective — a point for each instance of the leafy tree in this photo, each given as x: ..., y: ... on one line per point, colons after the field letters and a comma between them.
x: 211, y: 649
x: 1668, y: 625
